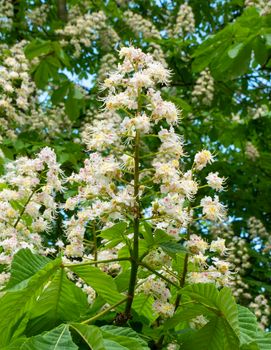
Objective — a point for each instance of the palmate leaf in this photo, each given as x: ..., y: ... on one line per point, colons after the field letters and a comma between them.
x: 103, y: 284
x: 203, y: 293
x: 24, y: 265
x: 61, y: 301
x: 228, y: 307
x: 221, y: 303
x: 57, y: 339
x: 215, y: 335
x: 223, y: 329
x: 114, y: 234
x: 185, y: 314
x: 124, y: 336
x: 91, y: 335
x: 230, y: 326
x: 247, y: 325
x: 110, y: 337
x: 37, y: 48
x: 262, y: 341
x: 228, y: 53
x: 142, y: 305
x: 15, y: 304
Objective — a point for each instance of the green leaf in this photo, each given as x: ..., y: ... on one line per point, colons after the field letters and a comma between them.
x: 60, y: 53
x: 46, y: 70
x: 235, y: 49
x: 37, y: 48
x: 142, y: 305
x: 146, y: 231
x: 125, y: 337
x: 57, y: 339
x: 114, y: 232
x: 112, y: 345
x: 103, y: 284
x: 91, y: 335
x: 16, y: 344
x: 24, y: 265
x: 14, y: 305
x: 263, y: 341
x: 205, y: 294
x: 172, y: 247
x: 61, y: 302
x: 224, y: 325
x: 161, y: 236
x: 215, y: 335
x: 186, y: 313
x: 77, y: 94
x: 247, y: 324
x: 178, y: 262
x: 110, y: 337
x: 59, y: 94
x: 72, y: 108
x: 227, y: 305
x: 268, y: 39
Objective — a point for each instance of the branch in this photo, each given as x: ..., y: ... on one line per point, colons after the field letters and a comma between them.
x: 62, y: 10
x: 94, y: 318
x: 95, y: 262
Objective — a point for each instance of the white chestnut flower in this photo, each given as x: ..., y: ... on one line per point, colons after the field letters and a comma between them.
x: 215, y: 182
x: 203, y: 158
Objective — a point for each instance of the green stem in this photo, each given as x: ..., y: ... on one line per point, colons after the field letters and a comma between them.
x: 24, y: 207
x: 95, y: 262
x: 96, y: 317
x: 134, y: 255
x: 183, y: 276
x: 159, y: 274
x: 95, y: 245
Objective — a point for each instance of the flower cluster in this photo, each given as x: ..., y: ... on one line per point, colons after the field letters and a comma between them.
x: 157, y: 259
x: 239, y: 288
x: 121, y: 171
x: 185, y: 21
x: 38, y: 15
x: 82, y: 30
x: 27, y: 202
x: 239, y: 256
x: 261, y: 309
x: 108, y: 64
x: 143, y: 27
x: 6, y: 14
x: 256, y: 228
x: 208, y: 267
x: 198, y: 322
x: 264, y: 6
x: 16, y: 88
x: 204, y: 88
x: 20, y: 108
x: 251, y: 151
x: 158, y: 289
x: 50, y: 122
x: 259, y: 112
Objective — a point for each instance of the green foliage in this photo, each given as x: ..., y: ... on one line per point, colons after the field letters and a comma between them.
x: 31, y: 306
x: 58, y: 338
x: 61, y: 301
x: 16, y: 304
x: 100, y: 281
x: 228, y: 53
